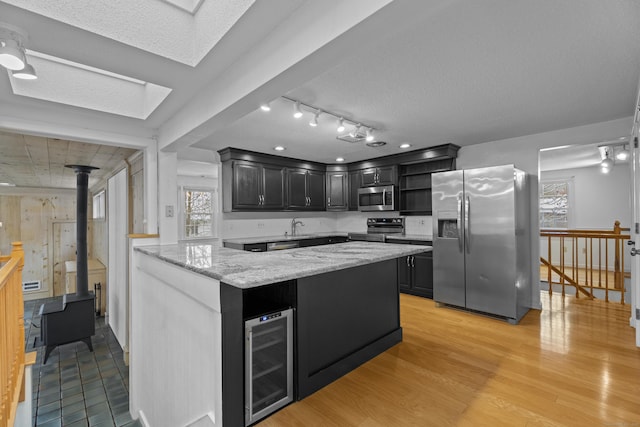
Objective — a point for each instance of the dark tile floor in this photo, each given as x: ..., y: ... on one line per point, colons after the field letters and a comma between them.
x: 78, y: 387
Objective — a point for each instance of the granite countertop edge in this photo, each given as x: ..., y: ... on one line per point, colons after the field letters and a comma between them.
x: 282, y: 238
x: 245, y: 270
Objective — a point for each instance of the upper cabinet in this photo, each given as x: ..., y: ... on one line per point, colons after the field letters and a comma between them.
x: 264, y: 182
x: 305, y: 190
x: 253, y: 186
x: 387, y: 175
x: 337, y: 190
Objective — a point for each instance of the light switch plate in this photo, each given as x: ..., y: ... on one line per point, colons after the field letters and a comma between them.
x: 168, y: 211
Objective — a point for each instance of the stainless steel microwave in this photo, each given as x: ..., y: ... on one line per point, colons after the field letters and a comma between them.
x: 381, y: 198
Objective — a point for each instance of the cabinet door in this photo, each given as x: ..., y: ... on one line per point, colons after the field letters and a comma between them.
x: 337, y: 191
x: 404, y: 270
x: 273, y: 187
x: 368, y: 177
x: 297, y: 188
x: 387, y: 175
x: 423, y: 274
x: 315, y: 190
x: 354, y: 185
x: 246, y: 185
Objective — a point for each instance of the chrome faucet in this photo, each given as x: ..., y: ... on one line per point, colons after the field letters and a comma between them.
x: 295, y: 222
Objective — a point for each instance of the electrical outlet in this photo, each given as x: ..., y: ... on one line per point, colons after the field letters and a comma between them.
x: 261, y: 225
x: 168, y: 211
x: 422, y: 222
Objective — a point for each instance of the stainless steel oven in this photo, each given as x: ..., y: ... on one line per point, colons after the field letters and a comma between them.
x: 381, y: 198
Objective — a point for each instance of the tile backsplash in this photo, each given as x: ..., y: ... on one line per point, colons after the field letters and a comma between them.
x: 241, y: 225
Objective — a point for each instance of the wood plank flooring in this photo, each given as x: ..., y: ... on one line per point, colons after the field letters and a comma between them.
x: 574, y: 363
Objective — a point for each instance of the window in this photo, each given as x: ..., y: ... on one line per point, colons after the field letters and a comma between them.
x: 198, y: 213
x: 99, y: 205
x: 555, y: 204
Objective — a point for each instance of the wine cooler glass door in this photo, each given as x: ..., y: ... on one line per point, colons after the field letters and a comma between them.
x: 268, y: 364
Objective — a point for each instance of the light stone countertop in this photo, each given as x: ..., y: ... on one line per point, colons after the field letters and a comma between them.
x: 245, y: 270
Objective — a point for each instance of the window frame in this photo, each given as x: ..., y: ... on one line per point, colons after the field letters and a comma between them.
x: 183, y: 214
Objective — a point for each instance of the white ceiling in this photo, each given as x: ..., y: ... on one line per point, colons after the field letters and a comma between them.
x: 426, y: 73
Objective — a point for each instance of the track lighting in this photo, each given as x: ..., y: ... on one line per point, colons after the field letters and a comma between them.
x: 297, y: 112
x: 265, y: 107
x: 314, y: 121
x: 355, y: 135
x: 606, y: 164
x: 369, y: 137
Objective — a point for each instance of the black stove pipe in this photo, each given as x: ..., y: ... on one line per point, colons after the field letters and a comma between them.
x: 82, y: 179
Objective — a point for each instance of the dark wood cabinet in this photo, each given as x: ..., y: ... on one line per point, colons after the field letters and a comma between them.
x: 337, y: 190
x: 305, y: 189
x: 354, y: 184
x: 415, y: 274
x: 387, y: 175
x: 255, y: 186
x: 415, y: 185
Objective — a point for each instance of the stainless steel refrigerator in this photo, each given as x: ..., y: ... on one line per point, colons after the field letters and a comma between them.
x: 481, y: 240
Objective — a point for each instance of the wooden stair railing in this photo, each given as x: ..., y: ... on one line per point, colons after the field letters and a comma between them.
x: 12, y: 356
x: 589, y: 261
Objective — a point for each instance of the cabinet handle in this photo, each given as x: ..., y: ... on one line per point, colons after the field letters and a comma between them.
x: 328, y: 201
x: 413, y: 261
x: 408, y: 264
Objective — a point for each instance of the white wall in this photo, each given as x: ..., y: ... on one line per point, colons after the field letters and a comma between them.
x: 598, y: 199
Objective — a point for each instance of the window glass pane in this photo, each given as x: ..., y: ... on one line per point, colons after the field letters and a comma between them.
x: 198, y: 213
x: 554, y: 204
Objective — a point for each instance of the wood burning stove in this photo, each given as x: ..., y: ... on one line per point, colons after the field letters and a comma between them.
x: 74, y: 318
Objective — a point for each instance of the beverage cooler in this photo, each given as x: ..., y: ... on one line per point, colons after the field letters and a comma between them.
x: 268, y: 364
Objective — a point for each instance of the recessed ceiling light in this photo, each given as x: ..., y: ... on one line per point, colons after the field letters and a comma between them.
x: 340, y: 159
x: 279, y: 148
x: 265, y: 107
x: 405, y: 145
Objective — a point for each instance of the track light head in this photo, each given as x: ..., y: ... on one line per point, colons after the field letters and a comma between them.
x: 265, y: 107
x: 369, y: 137
x: 12, y: 55
x: 314, y: 120
x: 297, y: 112
x: 340, y: 125
x: 27, y: 73
x: 623, y: 154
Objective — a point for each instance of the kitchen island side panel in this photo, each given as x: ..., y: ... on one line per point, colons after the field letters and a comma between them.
x: 344, y: 318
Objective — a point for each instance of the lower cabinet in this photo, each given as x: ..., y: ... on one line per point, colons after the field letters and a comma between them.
x: 415, y: 274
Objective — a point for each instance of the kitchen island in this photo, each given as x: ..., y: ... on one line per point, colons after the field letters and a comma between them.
x: 189, y: 303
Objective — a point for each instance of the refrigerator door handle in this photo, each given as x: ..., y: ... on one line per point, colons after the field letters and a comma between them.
x: 467, y: 220
x: 459, y: 223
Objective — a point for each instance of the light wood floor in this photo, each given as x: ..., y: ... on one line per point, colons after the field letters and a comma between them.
x: 572, y: 364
